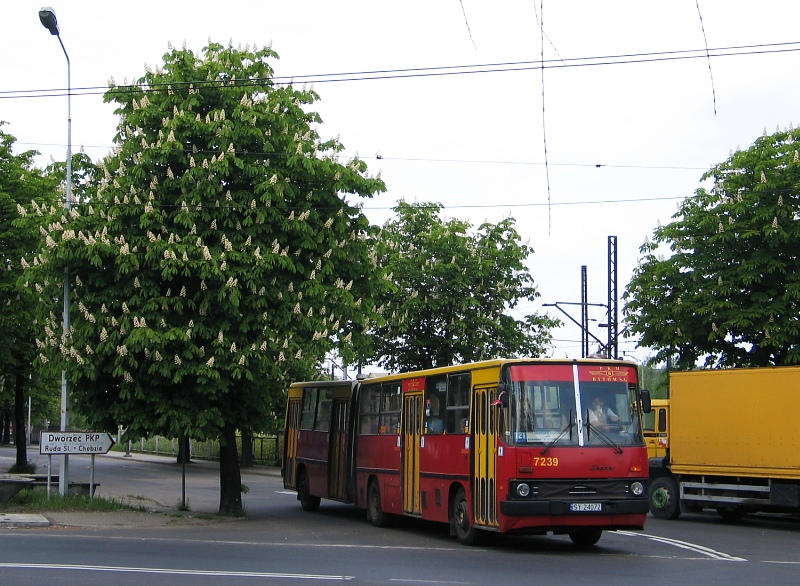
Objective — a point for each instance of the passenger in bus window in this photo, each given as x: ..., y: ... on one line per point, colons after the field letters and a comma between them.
x: 434, y: 423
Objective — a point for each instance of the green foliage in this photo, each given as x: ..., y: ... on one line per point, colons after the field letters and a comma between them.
x: 21, y: 182
x: 453, y: 290
x: 212, y: 257
x: 35, y: 499
x: 728, y: 293
x: 656, y: 380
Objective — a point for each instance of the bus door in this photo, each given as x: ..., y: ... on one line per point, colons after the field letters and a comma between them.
x: 337, y: 470
x: 484, y: 456
x: 412, y: 438
x: 290, y: 443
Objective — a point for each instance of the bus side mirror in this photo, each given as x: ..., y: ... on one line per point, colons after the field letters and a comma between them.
x: 502, y: 395
x: 647, y: 406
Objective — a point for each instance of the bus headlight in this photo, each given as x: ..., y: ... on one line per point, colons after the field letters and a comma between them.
x: 523, y: 490
x: 637, y: 488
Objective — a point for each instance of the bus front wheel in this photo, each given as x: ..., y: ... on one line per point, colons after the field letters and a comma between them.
x: 466, y: 533
x: 375, y: 512
x: 307, y: 501
x: 586, y: 537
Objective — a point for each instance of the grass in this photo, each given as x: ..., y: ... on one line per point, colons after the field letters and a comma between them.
x: 36, y: 500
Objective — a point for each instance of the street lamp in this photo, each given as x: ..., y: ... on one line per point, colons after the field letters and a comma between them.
x: 48, y: 18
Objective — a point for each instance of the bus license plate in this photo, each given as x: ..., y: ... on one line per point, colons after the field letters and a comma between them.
x: 585, y: 507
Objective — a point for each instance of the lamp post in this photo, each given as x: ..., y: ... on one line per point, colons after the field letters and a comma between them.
x: 48, y: 18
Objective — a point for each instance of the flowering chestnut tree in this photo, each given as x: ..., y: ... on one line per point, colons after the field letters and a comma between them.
x: 728, y: 293
x: 215, y: 257
x: 20, y: 182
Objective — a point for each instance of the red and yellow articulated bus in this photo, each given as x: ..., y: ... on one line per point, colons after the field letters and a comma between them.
x: 513, y: 445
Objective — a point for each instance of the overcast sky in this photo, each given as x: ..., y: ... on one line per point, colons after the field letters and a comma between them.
x: 627, y: 138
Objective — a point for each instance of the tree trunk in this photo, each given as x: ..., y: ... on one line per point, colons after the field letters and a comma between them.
x: 247, y: 460
x: 5, y: 432
x: 184, y: 450
x: 230, y: 475
x: 20, y: 440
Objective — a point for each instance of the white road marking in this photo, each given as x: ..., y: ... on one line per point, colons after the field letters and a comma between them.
x: 182, y: 572
x: 425, y: 581
x: 706, y: 551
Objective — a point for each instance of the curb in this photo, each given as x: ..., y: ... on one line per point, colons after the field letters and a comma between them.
x: 23, y: 520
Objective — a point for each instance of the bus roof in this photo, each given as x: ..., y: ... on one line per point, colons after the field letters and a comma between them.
x: 494, y: 363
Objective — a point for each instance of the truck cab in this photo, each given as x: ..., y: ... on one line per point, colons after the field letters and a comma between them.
x: 656, y: 429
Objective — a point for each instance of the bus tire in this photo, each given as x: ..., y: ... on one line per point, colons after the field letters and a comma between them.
x: 585, y: 537
x: 307, y: 500
x: 375, y: 512
x: 466, y: 533
x: 664, y: 499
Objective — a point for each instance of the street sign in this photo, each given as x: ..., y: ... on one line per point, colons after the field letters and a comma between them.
x: 74, y: 442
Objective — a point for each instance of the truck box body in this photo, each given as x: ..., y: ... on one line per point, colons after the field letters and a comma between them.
x: 741, y: 422
x: 728, y: 440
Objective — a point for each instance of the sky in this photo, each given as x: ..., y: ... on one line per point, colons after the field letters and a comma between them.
x: 447, y: 99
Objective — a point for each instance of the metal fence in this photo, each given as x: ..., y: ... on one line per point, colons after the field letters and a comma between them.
x: 266, y: 448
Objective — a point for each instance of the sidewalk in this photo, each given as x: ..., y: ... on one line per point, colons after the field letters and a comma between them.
x: 155, y: 484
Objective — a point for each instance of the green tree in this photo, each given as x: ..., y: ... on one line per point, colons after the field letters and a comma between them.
x: 20, y: 182
x: 453, y: 291
x: 215, y: 258
x: 728, y: 293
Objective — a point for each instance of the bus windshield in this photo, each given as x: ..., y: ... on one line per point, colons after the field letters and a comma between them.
x: 546, y: 408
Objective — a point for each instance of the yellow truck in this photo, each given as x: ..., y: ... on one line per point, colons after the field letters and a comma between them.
x: 726, y: 440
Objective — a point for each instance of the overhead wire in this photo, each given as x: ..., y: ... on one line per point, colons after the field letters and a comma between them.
x: 544, y: 119
x: 705, y: 40
x: 511, y: 66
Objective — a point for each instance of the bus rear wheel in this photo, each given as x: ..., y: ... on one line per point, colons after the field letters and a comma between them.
x: 586, y: 537
x: 465, y: 532
x: 375, y: 512
x: 307, y: 501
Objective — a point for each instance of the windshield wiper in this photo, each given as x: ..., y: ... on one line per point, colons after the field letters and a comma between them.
x: 603, y: 437
x: 569, y: 427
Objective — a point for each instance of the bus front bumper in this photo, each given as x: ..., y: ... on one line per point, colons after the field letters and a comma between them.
x: 558, y: 507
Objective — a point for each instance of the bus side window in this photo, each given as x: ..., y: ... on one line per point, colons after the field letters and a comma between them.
x: 457, y: 418
x: 391, y: 403
x: 324, y: 410
x: 309, y: 408
x: 435, y: 397
x: 370, y: 410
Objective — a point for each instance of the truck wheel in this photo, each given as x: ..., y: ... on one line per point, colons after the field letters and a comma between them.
x: 664, y: 500
x: 307, y: 501
x: 585, y: 537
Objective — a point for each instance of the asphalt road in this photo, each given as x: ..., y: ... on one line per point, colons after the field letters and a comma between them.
x: 278, y: 543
